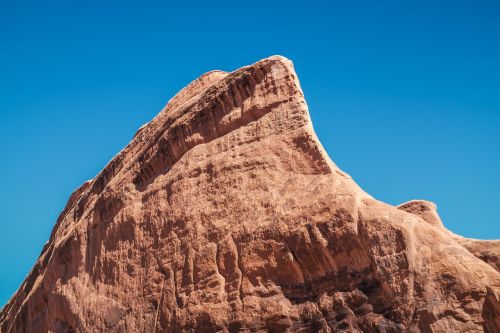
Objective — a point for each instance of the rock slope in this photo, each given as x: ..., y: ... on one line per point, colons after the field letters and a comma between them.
x: 225, y: 214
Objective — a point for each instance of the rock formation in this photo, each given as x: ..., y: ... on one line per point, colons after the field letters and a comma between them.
x: 225, y: 214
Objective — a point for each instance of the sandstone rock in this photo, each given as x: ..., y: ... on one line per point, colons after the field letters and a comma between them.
x: 225, y: 214
x: 486, y: 250
x: 425, y: 209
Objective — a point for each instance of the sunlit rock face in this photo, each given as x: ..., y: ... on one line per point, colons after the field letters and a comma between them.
x: 225, y: 214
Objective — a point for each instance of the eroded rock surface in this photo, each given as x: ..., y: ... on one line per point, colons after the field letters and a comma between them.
x: 225, y: 214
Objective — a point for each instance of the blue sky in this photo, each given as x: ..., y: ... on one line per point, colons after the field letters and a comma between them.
x: 404, y: 95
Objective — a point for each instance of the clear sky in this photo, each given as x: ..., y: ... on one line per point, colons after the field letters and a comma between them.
x: 404, y: 95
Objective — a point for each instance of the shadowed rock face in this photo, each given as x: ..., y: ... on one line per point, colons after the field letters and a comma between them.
x: 225, y: 214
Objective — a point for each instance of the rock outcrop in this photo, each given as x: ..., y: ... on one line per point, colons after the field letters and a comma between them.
x: 225, y: 214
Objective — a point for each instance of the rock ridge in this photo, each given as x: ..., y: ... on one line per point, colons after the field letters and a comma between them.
x: 225, y: 214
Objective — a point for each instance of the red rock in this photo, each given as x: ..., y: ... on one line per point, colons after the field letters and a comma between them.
x: 225, y: 214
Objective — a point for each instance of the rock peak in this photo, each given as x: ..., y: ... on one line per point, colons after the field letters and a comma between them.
x: 225, y: 214
x: 427, y: 210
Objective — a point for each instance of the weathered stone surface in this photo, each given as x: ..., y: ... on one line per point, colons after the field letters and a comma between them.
x: 225, y: 214
x: 486, y: 250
